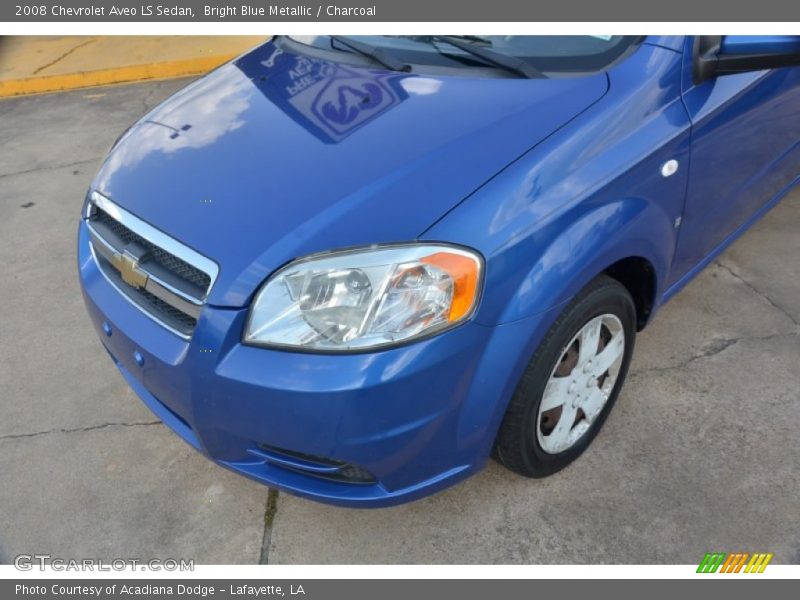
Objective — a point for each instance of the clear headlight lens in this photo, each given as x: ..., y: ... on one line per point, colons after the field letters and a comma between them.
x: 366, y: 298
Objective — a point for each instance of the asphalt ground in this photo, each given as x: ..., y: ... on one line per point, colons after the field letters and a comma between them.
x: 700, y: 454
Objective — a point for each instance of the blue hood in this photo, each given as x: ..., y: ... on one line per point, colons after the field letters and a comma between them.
x: 276, y: 155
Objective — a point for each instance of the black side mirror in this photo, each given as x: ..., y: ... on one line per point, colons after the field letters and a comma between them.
x: 722, y: 55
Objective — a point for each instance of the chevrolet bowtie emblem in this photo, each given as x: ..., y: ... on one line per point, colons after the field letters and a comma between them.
x: 128, y: 266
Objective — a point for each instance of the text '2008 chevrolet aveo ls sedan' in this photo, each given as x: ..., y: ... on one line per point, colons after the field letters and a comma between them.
x: 354, y: 268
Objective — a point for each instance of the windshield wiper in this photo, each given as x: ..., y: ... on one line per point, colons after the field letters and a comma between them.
x: 378, y: 55
x: 504, y: 61
x: 472, y: 38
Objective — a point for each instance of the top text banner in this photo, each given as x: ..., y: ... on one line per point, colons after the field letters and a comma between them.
x: 401, y: 10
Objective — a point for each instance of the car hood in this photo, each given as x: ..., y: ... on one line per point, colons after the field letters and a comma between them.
x: 277, y: 155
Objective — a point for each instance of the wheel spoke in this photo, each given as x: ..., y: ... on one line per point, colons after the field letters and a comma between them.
x: 590, y: 338
x: 594, y: 404
x: 613, y: 351
x: 559, y: 437
x: 555, y: 393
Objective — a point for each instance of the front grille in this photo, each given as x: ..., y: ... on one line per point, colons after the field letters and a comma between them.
x: 169, y: 261
x: 166, y: 279
x: 181, y: 320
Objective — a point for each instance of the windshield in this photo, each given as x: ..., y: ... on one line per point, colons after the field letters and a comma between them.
x: 547, y: 53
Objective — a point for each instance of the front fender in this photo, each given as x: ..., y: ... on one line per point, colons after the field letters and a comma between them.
x: 522, y: 304
x: 588, y: 196
x: 572, y: 250
x: 582, y: 243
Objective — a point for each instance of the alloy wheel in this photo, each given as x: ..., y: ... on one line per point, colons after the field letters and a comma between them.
x: 580, y: 384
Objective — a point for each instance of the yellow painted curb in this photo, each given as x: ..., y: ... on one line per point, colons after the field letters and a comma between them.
x: 71, y: 81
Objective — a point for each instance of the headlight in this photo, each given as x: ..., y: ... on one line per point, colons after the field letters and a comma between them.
x: 361, y: 299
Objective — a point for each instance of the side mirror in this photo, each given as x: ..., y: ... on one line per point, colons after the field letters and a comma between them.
x: 723, y: 55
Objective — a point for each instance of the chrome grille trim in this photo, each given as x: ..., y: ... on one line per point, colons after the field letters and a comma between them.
x: 107, y: 248
x: 157, y: 237
x: 160, y: 289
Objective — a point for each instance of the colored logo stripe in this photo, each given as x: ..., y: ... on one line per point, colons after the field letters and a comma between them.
x: 734, y: 562
x: 758, y: 563
x: 711, y: 562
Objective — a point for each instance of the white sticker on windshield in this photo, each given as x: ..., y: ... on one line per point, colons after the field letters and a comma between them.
x: 605, y: 38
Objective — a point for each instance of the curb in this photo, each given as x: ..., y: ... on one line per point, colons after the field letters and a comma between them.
x: 85, y: 79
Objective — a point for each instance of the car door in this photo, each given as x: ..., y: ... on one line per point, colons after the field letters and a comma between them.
x: 745, y: 152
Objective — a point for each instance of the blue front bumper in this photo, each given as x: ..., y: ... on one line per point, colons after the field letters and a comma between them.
x: 417, y: 418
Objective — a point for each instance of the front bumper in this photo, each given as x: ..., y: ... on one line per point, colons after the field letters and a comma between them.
x: 417, y: 418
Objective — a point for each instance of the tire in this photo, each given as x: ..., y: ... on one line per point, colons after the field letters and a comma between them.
x: 523, y: 444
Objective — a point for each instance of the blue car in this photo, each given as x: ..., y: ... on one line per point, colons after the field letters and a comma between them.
x: 356, y: 268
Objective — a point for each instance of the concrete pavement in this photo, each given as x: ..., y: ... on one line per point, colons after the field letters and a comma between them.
x: 699, y: 454
x: 87, y: 470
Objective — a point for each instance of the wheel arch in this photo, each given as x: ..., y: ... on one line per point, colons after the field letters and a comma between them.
x: 638, y: 275
x: 632, y: 240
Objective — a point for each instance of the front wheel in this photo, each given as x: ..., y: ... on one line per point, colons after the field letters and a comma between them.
x: 571, y: 383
